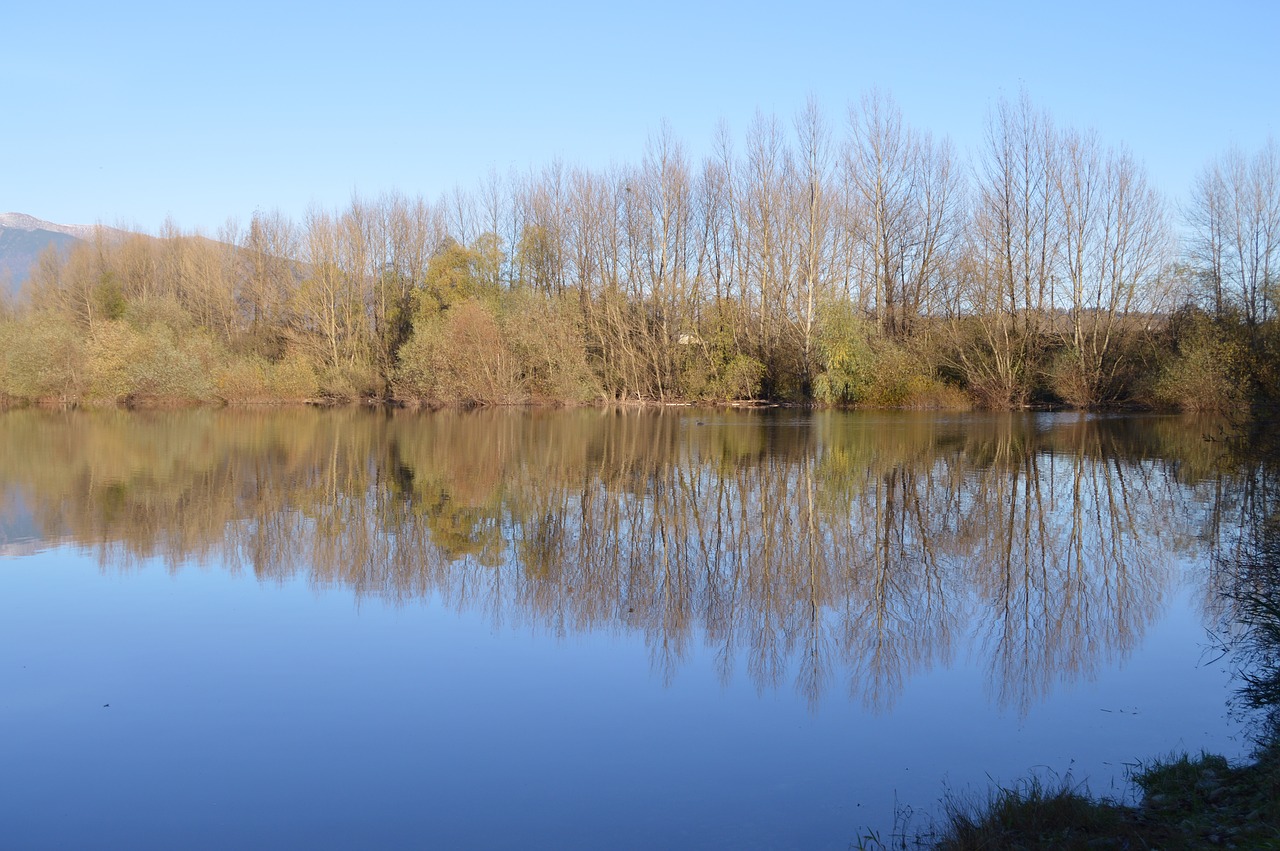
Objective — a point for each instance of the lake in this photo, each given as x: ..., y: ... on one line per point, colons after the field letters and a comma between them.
x: 594, y: 628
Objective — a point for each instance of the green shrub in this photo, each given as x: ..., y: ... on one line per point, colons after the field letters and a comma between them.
x: 128, y: 364
x: 898, y: 379
x: 42, y: 358
x: 458, y: 357
x: 1033, y: 815
x: 529, y: 348
x: 741, y: 378
x: 845, y: 356
x: 1068, y: 382
x: 292, y: 379
x: 253, y: 379
x: 348, y: 382
x: 543, y: 337
x: 712, y: 367
x: 857, y: 368
x: 242, y: 380
x: 1210, y: 368
x: 1267, y: 361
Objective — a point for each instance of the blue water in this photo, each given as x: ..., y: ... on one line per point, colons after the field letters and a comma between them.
x: 184, y: 698
x: 201, y: 709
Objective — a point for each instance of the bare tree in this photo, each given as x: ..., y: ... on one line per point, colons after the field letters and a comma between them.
x: 1115, y: 245
x: 766, y: 239
x: 881, y: 165
x: 1206, y: 214
x: 1007, y: 279
x: 269, y: 249
x: 907, y: 198
x: 817, y: 225
x: 1235, y: 218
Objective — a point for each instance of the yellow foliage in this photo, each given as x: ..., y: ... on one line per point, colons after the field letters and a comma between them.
x: 126, y: 363
x: 42, y: 358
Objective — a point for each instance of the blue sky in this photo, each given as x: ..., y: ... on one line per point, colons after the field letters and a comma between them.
x: 129, y: 113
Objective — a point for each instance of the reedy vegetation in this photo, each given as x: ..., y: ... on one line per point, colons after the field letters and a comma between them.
x: 869, y: 266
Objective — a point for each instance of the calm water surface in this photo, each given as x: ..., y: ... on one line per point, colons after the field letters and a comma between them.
x: 590, y: 629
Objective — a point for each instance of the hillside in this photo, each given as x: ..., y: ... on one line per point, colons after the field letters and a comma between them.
x: 23, y: 238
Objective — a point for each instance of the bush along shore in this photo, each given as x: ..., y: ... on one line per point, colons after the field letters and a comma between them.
x: 1187, y: 802
x: 866, y: 265
x: 527, y: 349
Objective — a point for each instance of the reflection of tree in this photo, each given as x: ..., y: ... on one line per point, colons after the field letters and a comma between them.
x: 817, y: 548
x: 1247, y: 557
x: 1076, y: 570
x: 899, y: 601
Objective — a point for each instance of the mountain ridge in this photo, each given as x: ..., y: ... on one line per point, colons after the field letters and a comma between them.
x: 23, y: 238
x: 24, y: 222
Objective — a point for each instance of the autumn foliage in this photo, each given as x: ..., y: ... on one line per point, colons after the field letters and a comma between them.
x: 869, y: 267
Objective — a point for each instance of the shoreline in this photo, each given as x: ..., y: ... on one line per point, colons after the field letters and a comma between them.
x: 143, y: 403
x: 1187, y: 802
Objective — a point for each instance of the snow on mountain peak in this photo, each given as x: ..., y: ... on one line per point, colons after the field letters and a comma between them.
x: 21, y: 221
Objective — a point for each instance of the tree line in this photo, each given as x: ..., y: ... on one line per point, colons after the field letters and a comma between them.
x: 860, y: 262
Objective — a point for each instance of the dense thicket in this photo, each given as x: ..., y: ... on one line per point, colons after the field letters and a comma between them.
x: 866, y: 264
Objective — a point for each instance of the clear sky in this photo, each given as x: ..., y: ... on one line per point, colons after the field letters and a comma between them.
x: 127, y: 113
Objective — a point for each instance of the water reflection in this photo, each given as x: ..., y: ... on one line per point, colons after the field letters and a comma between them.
x: 833, y: 553
x: 1245, y: 592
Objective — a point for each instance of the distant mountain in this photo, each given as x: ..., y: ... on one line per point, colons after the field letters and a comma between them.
x: 21, y: 221
x: 19, y: 531
x: 23, y: 238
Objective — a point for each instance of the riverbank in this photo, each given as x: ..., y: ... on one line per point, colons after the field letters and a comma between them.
x: 1187, y: 802
x: 956, y: 403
